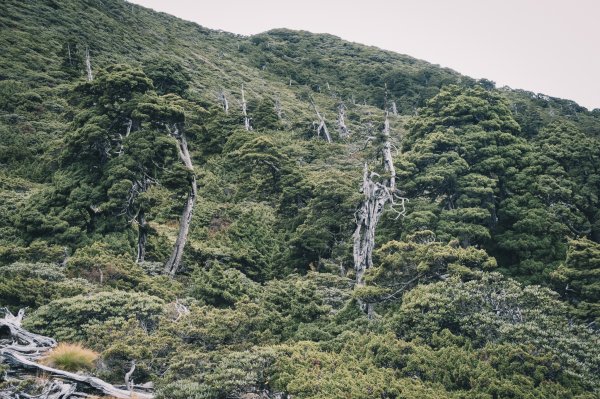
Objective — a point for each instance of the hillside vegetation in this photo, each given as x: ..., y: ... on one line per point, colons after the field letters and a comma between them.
x: 290, y: 214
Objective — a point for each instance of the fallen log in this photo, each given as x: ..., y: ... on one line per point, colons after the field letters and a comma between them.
x: 21, y: 349
x: 105, y: 387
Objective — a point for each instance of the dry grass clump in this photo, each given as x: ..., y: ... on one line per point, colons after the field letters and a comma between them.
x: 71, y: 357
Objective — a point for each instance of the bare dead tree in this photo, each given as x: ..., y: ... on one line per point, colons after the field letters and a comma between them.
x: 322, y: 127
x: 129, y: 125
x: 394, y: 108
x: 88, y: 65
x: 181, y: 310
x: 379, y: 192
x: 278, y: 109
x: 69, y: 53
x: 224, y: 102
x: 174, y: 262
x: 247, y: 125
x: 388, y: 162
x: 344, y: 131
x: 128, y: 380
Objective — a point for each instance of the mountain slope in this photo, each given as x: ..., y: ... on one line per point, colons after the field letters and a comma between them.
x: 477, y: 275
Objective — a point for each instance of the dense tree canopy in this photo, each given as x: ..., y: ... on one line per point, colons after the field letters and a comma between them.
x: 485, y: 285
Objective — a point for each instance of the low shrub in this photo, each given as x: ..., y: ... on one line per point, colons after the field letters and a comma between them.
x: 71, y: 357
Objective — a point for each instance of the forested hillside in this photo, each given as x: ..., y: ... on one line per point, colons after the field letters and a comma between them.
x: 285, y: 215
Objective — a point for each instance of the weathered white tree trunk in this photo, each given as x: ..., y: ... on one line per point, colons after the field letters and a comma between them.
x: 128, y: 380
x: 122, y: 138
x: 224, y: 102
x: 364, y: 234
x: 344, y: 131
x: 322, y: 125
x: 247, y: 125
x: 174, y: 261
x: 69, y: 52
x: 388, y: 162
x: 377, y: 194
x: 278, y: 109
x: 88, y: 65
x: 102, y: 386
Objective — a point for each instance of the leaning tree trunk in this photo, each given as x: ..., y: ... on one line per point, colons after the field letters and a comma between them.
x: 174, y: 261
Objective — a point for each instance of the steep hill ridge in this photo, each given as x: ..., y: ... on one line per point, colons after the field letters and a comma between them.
x: 289, y: 214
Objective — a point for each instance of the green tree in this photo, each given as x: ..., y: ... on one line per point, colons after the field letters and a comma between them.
x: 69, y: 318
x: 327, y: 222
x: 493, y: 309
x: 579, y: 278
x: 401, y: 265
x: 264, y: 117
x: 119, y: 148
x: 168, y: 76
x: 458, y: 153
x: 576, y: 153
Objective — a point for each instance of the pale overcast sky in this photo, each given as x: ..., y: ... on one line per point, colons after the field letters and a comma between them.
x: 547, y: 46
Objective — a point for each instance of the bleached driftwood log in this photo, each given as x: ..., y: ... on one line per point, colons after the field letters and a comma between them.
x: 378, y: 193
x: 174, y: 262
x: 21, y: 349
x: 103, y: 386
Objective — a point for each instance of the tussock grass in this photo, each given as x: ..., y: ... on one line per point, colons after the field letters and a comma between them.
x: 71, y: 357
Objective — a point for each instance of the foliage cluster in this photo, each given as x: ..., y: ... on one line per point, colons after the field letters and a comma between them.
x: 488, y: 287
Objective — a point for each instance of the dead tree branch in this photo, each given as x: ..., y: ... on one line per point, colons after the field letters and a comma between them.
x: 21, y: 349
x: 247, y: 125
x: 224, y: 102
x: 344, y: 131
x: 322, y: 127
x: 378, y: 193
